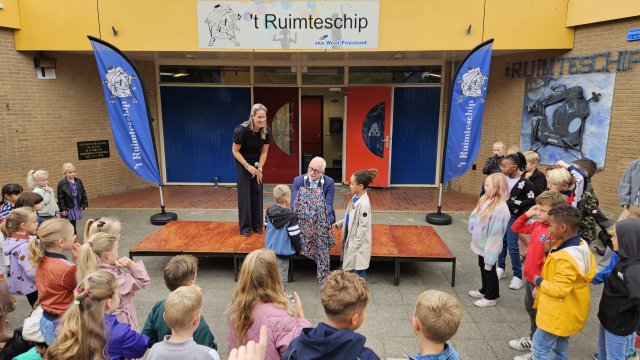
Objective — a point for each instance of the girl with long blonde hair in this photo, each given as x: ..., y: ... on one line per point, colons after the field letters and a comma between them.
x: 487, y: 225
x: 87, y: 331
x: 20, y: 226
x: 258, y: 300
x: 100, y: 252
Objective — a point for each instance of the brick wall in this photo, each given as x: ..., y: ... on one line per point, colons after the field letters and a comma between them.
x: 41, y: 120
x: 502, y: 117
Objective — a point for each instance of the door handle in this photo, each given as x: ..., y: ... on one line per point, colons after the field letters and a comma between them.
x: 386, y: 141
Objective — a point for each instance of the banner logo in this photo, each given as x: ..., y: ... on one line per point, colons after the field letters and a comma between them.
x: 119, y: 84
x: 472, y: 84
x: 222, y: 24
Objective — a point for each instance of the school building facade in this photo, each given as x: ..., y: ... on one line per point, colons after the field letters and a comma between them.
x: 372, y: 91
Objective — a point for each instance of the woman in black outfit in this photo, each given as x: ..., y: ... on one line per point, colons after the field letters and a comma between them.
x: 250, y: 145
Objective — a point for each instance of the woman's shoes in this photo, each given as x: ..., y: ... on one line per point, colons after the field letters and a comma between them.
x: 246, y: 233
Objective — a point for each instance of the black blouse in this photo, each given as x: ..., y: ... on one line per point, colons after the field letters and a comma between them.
x: 251, y: 142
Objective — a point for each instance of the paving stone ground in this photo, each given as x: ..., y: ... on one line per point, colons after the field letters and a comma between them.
x: 483, y: 333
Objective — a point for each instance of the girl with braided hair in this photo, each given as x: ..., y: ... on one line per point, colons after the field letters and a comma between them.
x: 521, y: 198
x: 89, y: 331
x: 356, y: 226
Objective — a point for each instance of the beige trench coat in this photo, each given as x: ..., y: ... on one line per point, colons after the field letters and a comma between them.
x: 356, y: 247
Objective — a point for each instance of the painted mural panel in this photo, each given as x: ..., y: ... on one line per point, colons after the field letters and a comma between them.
x: 567, y: 117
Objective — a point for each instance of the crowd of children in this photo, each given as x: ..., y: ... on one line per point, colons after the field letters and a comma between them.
x: 85, y: 308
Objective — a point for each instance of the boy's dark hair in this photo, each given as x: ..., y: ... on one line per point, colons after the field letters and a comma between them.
x: 587, y: 165
x: 180, y: 270
x: 28, y: 199
x: 566, y: 214
x: 11, y: 189
x: 342, y: 294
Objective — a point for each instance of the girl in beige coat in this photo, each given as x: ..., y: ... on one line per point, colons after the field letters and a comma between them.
x: 356, y: 226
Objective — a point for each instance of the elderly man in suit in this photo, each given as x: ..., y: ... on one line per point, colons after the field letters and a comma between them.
x: 315, y: 178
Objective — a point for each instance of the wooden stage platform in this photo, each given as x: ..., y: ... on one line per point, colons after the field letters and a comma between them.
x: 397, y: 243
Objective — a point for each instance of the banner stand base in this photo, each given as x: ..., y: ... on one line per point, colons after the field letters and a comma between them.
x: 439, y: 218
x: 163, y: 218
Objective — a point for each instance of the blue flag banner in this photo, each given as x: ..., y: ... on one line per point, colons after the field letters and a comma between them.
x: 126, y: 104
x: 467, y: 105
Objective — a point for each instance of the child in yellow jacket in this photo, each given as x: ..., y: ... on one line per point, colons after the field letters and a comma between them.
x: 563, y: 289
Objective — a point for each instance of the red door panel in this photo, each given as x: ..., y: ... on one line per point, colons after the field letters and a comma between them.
x: 311, y: 122
x: 282, y: 118
x: 368, y: 132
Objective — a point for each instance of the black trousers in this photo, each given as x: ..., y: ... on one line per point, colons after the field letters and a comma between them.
x: 32, y: 297
x: 490, y: 287
x: 249, y: 201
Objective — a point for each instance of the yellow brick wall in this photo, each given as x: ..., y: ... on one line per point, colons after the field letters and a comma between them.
x: 503, y: 111
x: 41, y: 120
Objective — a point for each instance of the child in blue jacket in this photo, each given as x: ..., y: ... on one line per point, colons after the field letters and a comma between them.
x: 283, y: 232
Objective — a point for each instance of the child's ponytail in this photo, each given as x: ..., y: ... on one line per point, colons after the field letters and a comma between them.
x: 31, y: 180
x: 50, y: 232
x: 88, y: 260
x: 103, y: 224
x: 15, y: 218
x: 81, y: 334
x: 365, y: 177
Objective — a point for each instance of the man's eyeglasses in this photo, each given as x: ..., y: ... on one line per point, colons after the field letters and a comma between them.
x: 315, y: 171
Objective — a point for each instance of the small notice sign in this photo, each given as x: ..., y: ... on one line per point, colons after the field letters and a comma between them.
x: 633, y: 35
x: 97, y: 149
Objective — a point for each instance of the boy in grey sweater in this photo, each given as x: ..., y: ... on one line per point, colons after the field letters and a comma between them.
x: 182, y: 313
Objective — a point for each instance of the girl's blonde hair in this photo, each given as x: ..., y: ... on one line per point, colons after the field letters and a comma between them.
x: 249, y: 123
x: 94, y: 247
x: 259, y: 280
x: 560, y: 176
x: 82, y: 334
x: 34, y: 175
x: 103, y: 224
x: 16, y: 218
x: 49, y: 233
x: 67, y: 167
x: 498, y: 192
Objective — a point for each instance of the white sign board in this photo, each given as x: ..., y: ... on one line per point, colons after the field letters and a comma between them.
x: 288, y: 24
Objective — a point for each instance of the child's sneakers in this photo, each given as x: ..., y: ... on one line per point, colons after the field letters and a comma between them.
x: 524, y: 343
x: 516, y: 283
x: 484, y: 303
x: 527, y: 356
x: 501, y: 274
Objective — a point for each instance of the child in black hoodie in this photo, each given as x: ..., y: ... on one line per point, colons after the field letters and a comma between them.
x: 619, y: 311
x: 283, y: 232
x: 344, y: 297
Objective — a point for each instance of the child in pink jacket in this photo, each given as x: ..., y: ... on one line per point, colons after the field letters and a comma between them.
x: 260, y: 293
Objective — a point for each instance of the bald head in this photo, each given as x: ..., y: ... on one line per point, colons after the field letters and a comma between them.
x: 316, y: 168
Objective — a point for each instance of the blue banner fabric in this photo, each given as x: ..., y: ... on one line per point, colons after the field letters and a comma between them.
x: 127, y: 109
x: 467, y: 105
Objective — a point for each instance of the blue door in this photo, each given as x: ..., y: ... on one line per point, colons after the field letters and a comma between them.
x: 198, y: 125
x: 414, y: 147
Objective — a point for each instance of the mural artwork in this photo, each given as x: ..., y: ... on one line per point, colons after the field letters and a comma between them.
x: 567, y: 117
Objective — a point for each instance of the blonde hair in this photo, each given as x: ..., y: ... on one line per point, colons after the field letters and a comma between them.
x: 439, y: 314
x: 180, y: 270
x: 67, y: 167
x: 499, y: 143
x: 249, y: 123
x: 560, y: 176
x: 498, y: 192
x: 82, y: 334
x: 342, y: 294
x: 34, y: 175
x: 259, y: 280
x: 532, y: 157
x: 181, y: 306
x: 49, y: 233
x: 89, y: 254
x: 513, y: 149
x: 551, y: 198
x: 103, y: 224
x: 16, y: 218
x: 280, y: 193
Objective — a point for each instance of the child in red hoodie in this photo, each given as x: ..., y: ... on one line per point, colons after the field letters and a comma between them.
x: 536, y: 252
